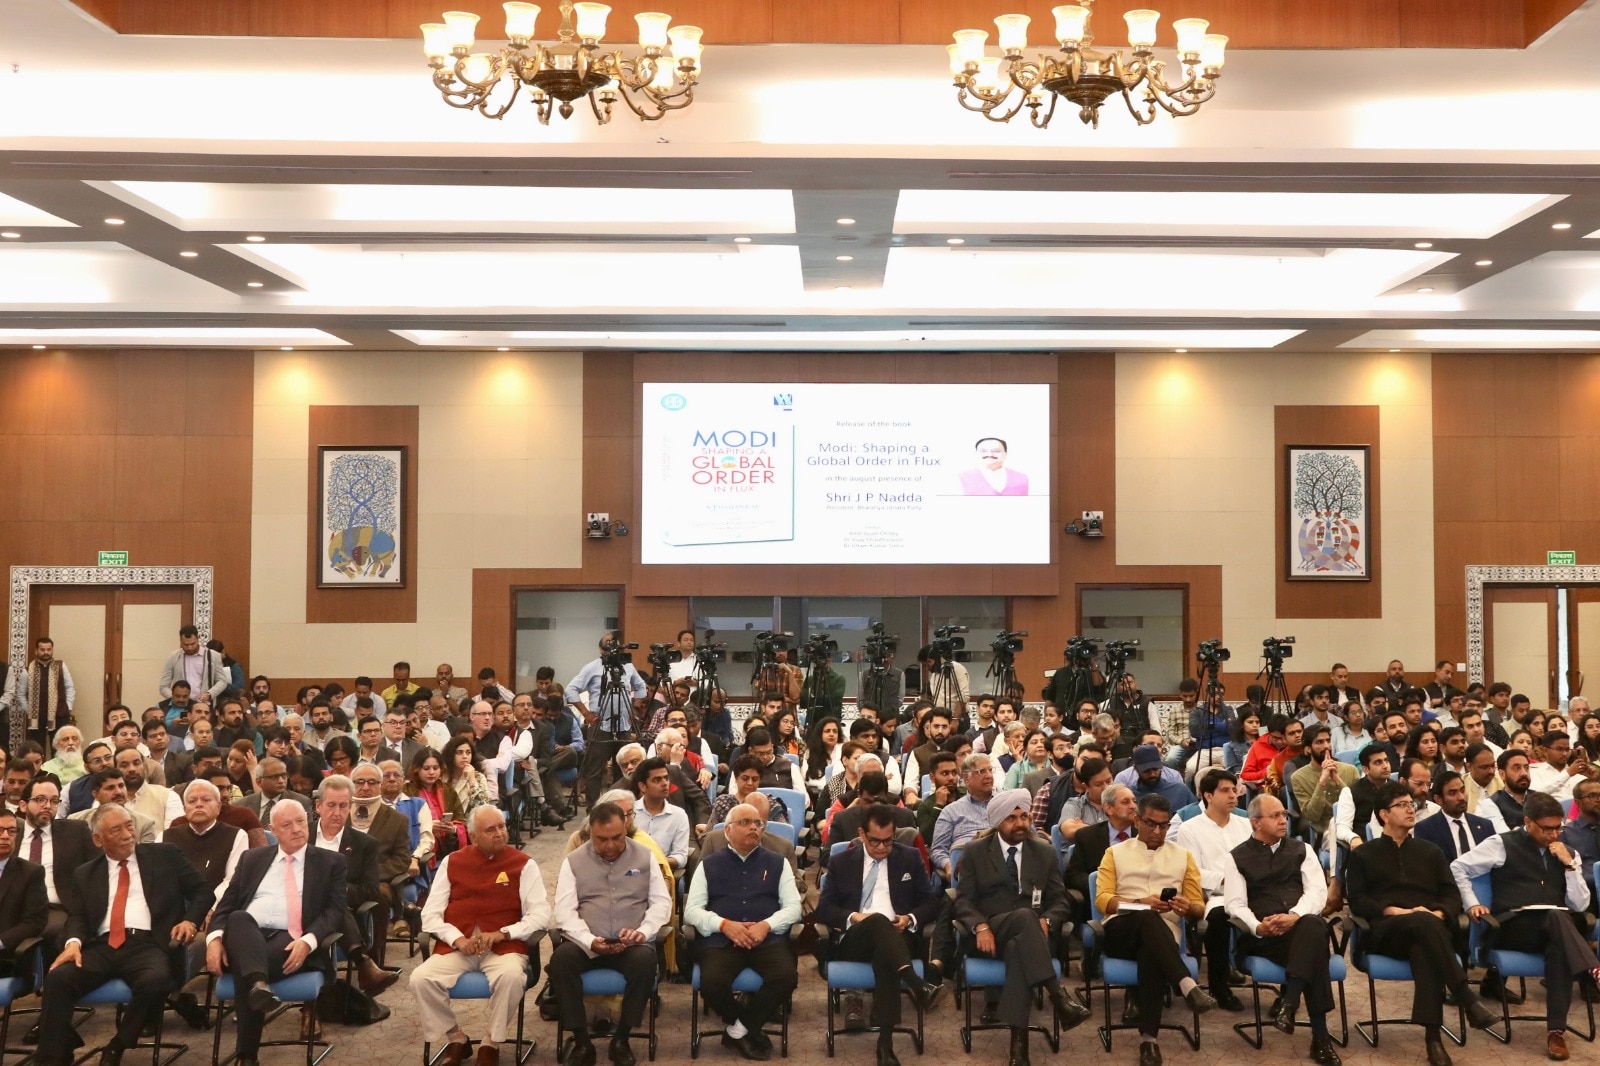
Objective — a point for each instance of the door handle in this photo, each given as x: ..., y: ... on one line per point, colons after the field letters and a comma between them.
x: 1574, y: 683
x: 119, y: 689
x: 105, y: 690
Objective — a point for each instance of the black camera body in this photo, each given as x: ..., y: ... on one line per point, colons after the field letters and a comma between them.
x: 945, y: 643
x: 1008, y: 642
x: 820, y: 648
x: 1211, y: 653
x: 1276, y: 649
x: 1081, y: 652
x: 1117, y: 654
x: 614, y: 654
x: 878, y: 645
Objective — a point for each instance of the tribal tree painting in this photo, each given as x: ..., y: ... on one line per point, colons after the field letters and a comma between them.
x: 1328, y: 513
x: 360, y: 541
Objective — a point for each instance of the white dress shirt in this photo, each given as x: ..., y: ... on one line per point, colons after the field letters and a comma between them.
x: 47, y: 856
x: 530, y: 888
x: 270, y: 905
x: 136, y: 913
x: 1557, y: 784
x: 1313, y: 888
x: 657, y: 912
x: 879, y: 902
x: 1211, y: 844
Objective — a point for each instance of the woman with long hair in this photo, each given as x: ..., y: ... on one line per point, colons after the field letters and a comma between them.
x: 822, y: 743
x: 1035, y: 756
x: 1589, y: 736
x: 1246, y: 730
x: 341, y: 753
x: 786, y: 733
x: 242, y: 766
x: 1423, y: 743
x: 464, y: 772
x: 426, y: 782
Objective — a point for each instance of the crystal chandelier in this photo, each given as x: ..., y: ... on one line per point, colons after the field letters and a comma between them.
x: 570, y: 69
x: 1082, y: 74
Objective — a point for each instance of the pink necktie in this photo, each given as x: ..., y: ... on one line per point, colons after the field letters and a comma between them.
x: 291, y: 893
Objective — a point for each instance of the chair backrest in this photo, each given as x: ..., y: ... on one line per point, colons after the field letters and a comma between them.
x: 1063, y: 849
x: 792, y: 757
x: 793, y: 799
x: 927, y: 785
x: 1477, y: 944
x: 1189, y: 812
x: 785, y: 830
x: 1352, y: 756
x: 837, y: 846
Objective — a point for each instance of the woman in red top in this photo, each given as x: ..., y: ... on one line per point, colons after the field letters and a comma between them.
x: 1266, y: 748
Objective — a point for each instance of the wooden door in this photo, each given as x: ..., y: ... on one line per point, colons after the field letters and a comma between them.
x: 1520, y: 641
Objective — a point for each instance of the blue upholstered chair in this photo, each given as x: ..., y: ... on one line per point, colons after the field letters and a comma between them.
x: 1123, y: 973
x: 1519, y: 964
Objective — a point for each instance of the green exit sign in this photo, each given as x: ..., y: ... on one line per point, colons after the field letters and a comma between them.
x: 1561, y: 558
x: 113, y: 558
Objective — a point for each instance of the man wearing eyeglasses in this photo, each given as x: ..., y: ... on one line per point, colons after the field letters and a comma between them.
x: 742, y: 902
x: 1530, y: 867
x: 1144, y: 919
x: 875, y: 902
x: 1403, y: 887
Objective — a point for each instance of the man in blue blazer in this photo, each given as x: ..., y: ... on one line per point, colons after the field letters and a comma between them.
x: 875, y: 902
x: 1452, y: 827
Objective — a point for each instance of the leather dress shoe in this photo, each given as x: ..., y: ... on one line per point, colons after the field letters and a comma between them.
x: 1323, y: 1053
x: 1238, y: 978
x: 112, y: 1055
x: 1437, y: 1055
x: 309, y: 1029
x: 261, y: 999
x: 579, y: 1053
x: 886, y: 1055
x: 746, y: 1047
x: 455, y: 1053
x: 924, y: 994
x: 488, y: 1056
x: 990, y: 1015
x: 187, y: 1007
x: 762, y: 1041
x: 374, y: 979
x: 1019, y: 1048
x: 1494, y: 987
x: 1479, y: 1016
x: 1069, y: 1012
x: 620, y: 1053
x: 1282, y: 1017
x: 1199, y: 1000
x: 1555, y: 1046
x: 1226, y: 999
x: 1149, y: 1053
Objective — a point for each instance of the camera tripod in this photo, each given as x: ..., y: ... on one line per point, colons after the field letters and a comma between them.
x: 876, y: 685
x: 1004, y: 671
x: 816, y: 693
x: 1277, y: 690
x: 948, y: 694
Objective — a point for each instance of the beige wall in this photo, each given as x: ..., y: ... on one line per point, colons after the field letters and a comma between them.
x: 1195, y: 486
x: 499, y: 479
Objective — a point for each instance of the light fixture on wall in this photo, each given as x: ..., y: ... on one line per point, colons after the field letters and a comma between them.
x: 1084, y: 75
x: 565, y: 71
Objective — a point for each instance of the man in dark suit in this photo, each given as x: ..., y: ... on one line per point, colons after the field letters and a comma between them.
x: 23, y: 903
x: 360, y: 852
x: 272, y: 786
x: 1090, y: 844
x: 391, y: 832
x: 260, y: 935
x: 129, y: 904
x: 1451, y: 829
x: 1010, y: 898
x: 875, y: 902
x: 57, y: 844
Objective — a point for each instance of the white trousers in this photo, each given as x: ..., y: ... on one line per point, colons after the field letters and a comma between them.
x: 432, y: 981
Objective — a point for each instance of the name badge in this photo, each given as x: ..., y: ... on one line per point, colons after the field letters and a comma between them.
x: 1038, y: 897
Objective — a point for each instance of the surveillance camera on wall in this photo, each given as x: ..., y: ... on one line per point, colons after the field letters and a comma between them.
x: 597, y: 526
x: 1091, y: 525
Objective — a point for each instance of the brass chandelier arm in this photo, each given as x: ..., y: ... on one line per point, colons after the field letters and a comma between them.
x: 1049, y: 113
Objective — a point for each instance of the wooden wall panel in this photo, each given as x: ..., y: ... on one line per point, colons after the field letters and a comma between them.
x: 145, y: 451
x: 1249, y: 23
x: 1329, y: 425
x: 357, y: 426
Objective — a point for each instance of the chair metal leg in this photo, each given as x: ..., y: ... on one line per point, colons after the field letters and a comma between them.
x: 694, y: 1023
x: 1260, y: 1028
x: 1369, y: 1029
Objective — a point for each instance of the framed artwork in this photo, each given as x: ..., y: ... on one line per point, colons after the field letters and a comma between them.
x: 361, y: 542
x: 1328, y: 516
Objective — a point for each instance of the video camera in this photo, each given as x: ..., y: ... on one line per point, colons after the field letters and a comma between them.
x: 1117, y: 654
x: 662, y: 656
x: 707, y: 655
x: 1276, y: 649
x: 944, y: 645
x: 819, y: 648
x: 1007, y: 642
x: 1081, y: 652
x: 614, y: 654
x: 1211, y: 654
x: 768, y: 643
x: 878, y: 645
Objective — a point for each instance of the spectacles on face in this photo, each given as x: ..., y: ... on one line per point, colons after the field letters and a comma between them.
x: 1552, y: 830
x: 880, y: 842
x: 1156, y: 827
x: 1403, y: 805
x: 749, y: 823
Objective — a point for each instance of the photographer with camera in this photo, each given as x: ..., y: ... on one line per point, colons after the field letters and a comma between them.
x: 1131, y: 708
x: 607, y: 691
x: 680, y: 661
x: 823, y: 693
x: 944, y: 680
x: 879, y: 680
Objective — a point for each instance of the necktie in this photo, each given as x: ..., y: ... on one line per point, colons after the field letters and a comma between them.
x: 870, y: 885
x: 291, y: 895
x: 1011, y: 867
x: 118, y: 933
x: 36, y: 847
x: 1462, y: 847
x: 1122, y: 834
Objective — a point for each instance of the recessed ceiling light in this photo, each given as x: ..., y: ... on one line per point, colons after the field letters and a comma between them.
x: 9, y: 235
x: 1562, y: 225
x: 255, y: 238
x: 287, y: 348
x: 844, y: 258
x: 1394, y: 350
x: 845, y: 221
x: 1426, y: 288
x: 190, y: 255
x: 114, y: 221
x: 1181, y: 351
x: 1423, y: 244
x: 1486, y: 262
x: 741, y: 240
x: 38, y: 347
x: 955, y: 240
x: 841, y: 288
x: 502, y: 349
x: 254, y: 284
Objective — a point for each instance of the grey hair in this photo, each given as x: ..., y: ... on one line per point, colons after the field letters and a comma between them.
x: 336, y: 783
x: 55, y: 741
x: 626, y: 748
x: 976, y: 761
x: 202, y: 784
x: 1102, y: 721
x: 268, y: 762
x: 102, y: 812
x: 615, y: 795
x: 1113, y: 793
x: 1255, y: 808
x: 473, y: 828
x: 284, y: 721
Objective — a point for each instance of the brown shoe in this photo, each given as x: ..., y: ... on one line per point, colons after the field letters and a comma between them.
x: 1555, y: 1046
x: 374, y: 979
x: 488, y: 1056
x: 455, y: 1052
x: 309, y: 1029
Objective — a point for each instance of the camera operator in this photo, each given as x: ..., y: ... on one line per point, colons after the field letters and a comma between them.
x: 1058, y: 688
x: 605, y: 736
x: 1131, y: 709
x: 944, y: 680
x: 880, y: 685
x: 683, y: 647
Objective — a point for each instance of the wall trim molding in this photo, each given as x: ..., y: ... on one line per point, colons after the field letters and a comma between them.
x: 1479, y: 576
x: 23, y: 578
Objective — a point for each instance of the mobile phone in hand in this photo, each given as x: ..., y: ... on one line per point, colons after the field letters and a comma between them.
x: 1168, y: 894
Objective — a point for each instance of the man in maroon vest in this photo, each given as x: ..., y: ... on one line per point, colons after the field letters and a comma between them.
x: 486, y: 901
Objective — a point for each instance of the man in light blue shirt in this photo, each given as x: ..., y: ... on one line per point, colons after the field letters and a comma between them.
x: 968, y: 816
x: 610, y: 726
x: 665, y: 823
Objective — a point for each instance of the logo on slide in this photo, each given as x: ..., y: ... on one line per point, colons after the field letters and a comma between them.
x: 674, y: 401
x: 784, y: 400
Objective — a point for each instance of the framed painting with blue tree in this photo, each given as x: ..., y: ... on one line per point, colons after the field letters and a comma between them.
x: 361, y: 541
x: 1329, y: 523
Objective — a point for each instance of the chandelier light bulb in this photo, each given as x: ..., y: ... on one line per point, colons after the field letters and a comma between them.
x: 957, y: 64
x: 436, y: 40
x: 988, y: 78
x: 477, y: 68
x: 591, y: 20
x: 1191, y: 35
x: 686, y: 44
x: 461, y: 28
x: 1142, y: 28
x: 652, y: 29
x: 1070, y: 22
x: 1013, y: 32
x: 665, y: 74
x: 969, y: 44
x: 519, y: 20
x: 1211, y: 52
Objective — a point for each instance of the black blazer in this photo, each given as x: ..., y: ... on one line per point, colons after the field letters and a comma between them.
x: 1089, y: 846
x: 72, y: 845
x: 361, y: 863
x: 173, y: 889
x: 1436, y: 830
x: 24, y: 905
x: 322, y: 897
x: 984, y: 888
x: 910, y: 890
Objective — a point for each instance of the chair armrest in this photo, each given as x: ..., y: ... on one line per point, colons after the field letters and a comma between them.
x: 1097, y: 927
x: 1241, y: 925
x: 27, y: 945
x: 1077, y: 899
x: 1360, y: 923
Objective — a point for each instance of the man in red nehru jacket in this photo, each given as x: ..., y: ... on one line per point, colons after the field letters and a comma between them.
x: 486, y: 901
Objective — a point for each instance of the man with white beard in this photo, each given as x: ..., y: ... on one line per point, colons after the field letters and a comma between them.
x: 68, y: 763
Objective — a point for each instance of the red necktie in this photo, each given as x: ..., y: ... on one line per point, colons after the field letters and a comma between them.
x: 119, y: 909
x: 1122, y: 834
x: 36, y: 847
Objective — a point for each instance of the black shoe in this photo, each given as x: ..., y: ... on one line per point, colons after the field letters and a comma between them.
x: 745, y: 1047
x: 886, y: 1055
x: 112, y: 1055
x: 1238, y: 979
x: 620, y: 1053
x: 1227, y: 1000
x: 1282, y: 1017
x: 1019, y: 1048
x: 1199, y: 1000
x: 1437, y: 1055
x: 579, y: 1053
x: 1149, y: 1053
x: 1323, y: 1053
x: 261, y: 998
x: 1479, y: 1016
x: 923, y: 994
x: 1130, y: 1010
x: 1069, y: 1012
x: 187, y: 1007
x: 990, y: 1015
x: 1494, y: 987
x: 32, y: 1035
x: 762, y: 1041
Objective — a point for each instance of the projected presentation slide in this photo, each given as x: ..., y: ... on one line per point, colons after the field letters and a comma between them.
x: 845, y: 473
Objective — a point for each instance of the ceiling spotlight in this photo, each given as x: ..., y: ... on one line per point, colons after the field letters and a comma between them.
x: 502, y: 349
x: 841, y: 288
x: 741, y: 240
x: 955, y: 240
x: 38, y: 347
x: 1562, y: 225
x: 10, y: 235
x: 1181, y: 351
x: 1426, y: 288
x: 255, y: 238
x: 1423, y: 244
x: 287, y: 348
x: 844, y: 258
x: 190, y: 255
x: 845, y: 221
x: 1393, y: 350
x: 254, y: 284
x: 114, y: 221
x: 1485, y: 262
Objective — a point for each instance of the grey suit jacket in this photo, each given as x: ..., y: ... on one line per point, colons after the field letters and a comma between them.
x: 215, y: 677
x: 252, y: 803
